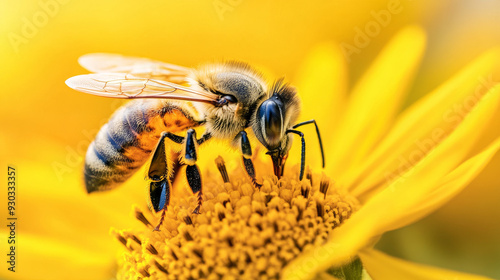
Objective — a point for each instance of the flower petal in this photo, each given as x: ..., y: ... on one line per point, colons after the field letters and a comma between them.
x: 424, y: 125
x: 322, y: 80
x: 336, y: 252
x: 449, y: 186
x: 402, y: 196
x: 74, y: 212
x: 376, y: 99
x: 382, y: 266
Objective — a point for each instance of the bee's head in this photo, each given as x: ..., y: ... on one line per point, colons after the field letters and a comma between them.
x: 240, y: 89
x: 273, y: 118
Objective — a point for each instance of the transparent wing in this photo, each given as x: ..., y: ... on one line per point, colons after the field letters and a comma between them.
x: 120, y: 85
x: 138, y: 66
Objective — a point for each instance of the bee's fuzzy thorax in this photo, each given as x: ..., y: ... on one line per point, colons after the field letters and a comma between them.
x: 236, y: 79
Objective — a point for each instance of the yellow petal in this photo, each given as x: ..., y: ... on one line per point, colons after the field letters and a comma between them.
x: 322, y: 81
x: 410, y: 191
x: 64, y: 199
x: 449, y: 186
x: 424, y: 125
x: 382, y: 266
x: 336, y: 252
x: 381, y: 212
x: 376, y: 99
x: 326, y: 276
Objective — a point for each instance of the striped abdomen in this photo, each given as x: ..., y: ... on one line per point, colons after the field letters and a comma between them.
x: 125, y: 143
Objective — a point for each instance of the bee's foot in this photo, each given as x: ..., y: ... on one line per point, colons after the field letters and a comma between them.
x: 157, y: 228
x: 197, y: 210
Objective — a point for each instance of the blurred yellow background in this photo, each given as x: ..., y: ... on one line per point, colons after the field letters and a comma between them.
x: 46, y: 126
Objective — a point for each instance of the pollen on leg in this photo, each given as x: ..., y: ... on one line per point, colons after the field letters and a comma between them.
x: 241, y: 233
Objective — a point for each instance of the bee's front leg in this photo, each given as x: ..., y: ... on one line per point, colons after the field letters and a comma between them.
x: 246, y: 151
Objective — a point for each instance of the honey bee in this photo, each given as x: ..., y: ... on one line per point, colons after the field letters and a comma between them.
x: 225, y: 98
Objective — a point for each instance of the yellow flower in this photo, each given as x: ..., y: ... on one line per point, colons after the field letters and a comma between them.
x: 385, y: 169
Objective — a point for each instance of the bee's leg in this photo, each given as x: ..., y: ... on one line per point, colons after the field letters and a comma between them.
x: 190, y: 156
x: 193, y: 175
x: 160, y: 198
x: 194, y: 180
x: 318, y: 134
x: 159, y: 187
x: 246, y: 151
x: 303, y: 154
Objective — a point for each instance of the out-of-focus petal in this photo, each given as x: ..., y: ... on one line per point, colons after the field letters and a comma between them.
x: 322, y: 86
x: 424, y: 125
x: 382, y: 266
x: 72, y: 211
x: 412, y: 190
x: 41, y: 258
x: 449, y: 186
x: 336, y: 252
x: 376, y: 99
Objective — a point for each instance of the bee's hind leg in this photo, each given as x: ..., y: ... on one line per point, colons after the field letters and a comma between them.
x: 246, y: 151
x: 160, y: 198
x: 159, y: 186
x: 193, y: 175
x: 160, y: 178
x: 194, y: 181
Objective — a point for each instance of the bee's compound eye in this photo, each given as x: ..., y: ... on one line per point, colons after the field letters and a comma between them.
x: 270, y: 117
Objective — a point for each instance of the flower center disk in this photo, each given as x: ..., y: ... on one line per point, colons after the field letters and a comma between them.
x: 241, y: 233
